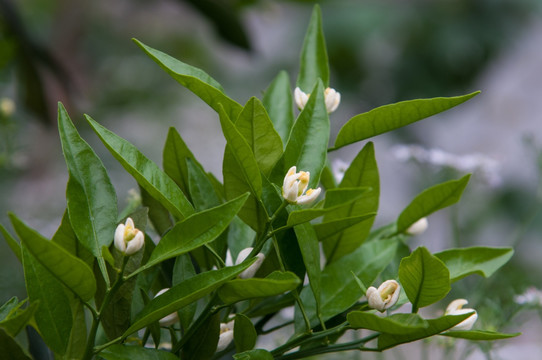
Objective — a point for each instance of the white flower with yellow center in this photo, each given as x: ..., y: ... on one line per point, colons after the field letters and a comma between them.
x: 294, y: 186
x: 331, y: 96
x: 128, y: 239
x: 169, y: 319
x: 226, y: 335
x: 252, y: 269
x: 385, y: 296
x: 456, y: 308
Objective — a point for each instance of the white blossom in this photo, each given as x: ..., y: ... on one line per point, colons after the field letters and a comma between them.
x: 226, y: 335
x: 128, y: 239
x: 385, y: 296
x: 332, y: 99
x: 252, y: 269
x: 418, y: 227
x: 532, y: 296
x: 170, y: 319
x: 294, y: 186
x: 456, y: 308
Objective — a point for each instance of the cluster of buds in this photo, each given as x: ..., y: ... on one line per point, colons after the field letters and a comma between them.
x: 226, y: 335
x: 128, y: 239
x: 456, y: 308
x: 332, y: 99
x: 294, y: 186
x: 385, y: 296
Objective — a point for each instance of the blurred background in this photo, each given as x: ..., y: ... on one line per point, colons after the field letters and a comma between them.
x: 380, y: 51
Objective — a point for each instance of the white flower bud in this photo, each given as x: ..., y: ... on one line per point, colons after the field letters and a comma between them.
x: 300, y: 98
x: 385, y: 296
x: 331, y: 96
x: 418, y: 227
x: 294, y: 186
x: 169, y: 319
x: 252, y: 269
x: 226, y: 335
x: 128, y: 239
x: 7, y: 106
x: 456, y: 308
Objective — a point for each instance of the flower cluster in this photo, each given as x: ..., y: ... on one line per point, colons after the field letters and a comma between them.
x: 332, y: 99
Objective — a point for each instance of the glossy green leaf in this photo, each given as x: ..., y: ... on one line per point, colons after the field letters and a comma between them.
x: 68, y: 269
x: 339, y: 288
x: 273, y: 284
x: 201, y: 189
x: 480, y: 260
x: 335, y: 199
x: 66, y: 238
x: 314, y: 61
x: 53, y: 316
x: 244, y: 333
x: 127, y: 352
x: 257, y: 354
x: 434, y: 326
x: 430, y: 200
x: 8, y: 345
x: 307, y: 145
x: 363, y: 171
x: 399, y: 324
x: 183, y: 294
x: 195, y: 80
x: 478, y: 335
x: 12, y: 243
x: 424, y: 278
x: 202, y: 345
x: 390, y: 117
x: 194, y: 231
x: 91, y: 198
x: 328, y: 229
x: 158, y: 215
x: 278, y: 102
x: 145, y: 172
x: 256, y: 127
x: 18, y: 319
x: 78, y: 335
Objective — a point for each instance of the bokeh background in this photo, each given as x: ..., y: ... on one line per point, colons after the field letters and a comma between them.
x: 381, y: 51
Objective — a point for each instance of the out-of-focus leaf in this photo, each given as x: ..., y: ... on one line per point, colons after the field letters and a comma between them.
x: 363, y: 171
x: 478, y: 335
x: 183, y: 294
x: 278, y: 102
x: 257, y: 129
x: 91, y: 198
x: 9, y: 307
x: 145, y: 172
x: 13, y: 244
x: 275, y: 283
x: 195, y: 80
x: 399, y: 324
x: 257, y: 354
x: 244, y: 333
x: 430, y: 200
x: 424, y: 278
x: 390, y: 117
x: 480, y: 260
x: 66, y: 268
x: 16, y: 321
x: 8, y: 345
x: 313, y: 62
x: 127, y: 352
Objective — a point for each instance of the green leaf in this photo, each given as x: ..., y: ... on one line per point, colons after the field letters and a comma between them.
x: 307, y: 145
x: 183, y: 294
x: 184, y: 270
x: 9, y: 308
x: 68, y: 269
x: 244, y: 333
x: 275, y: 283
x: 18, y: 319
x: 390, y: 117
x: 430, y: 200
x: 424, y: 278
x: 363, y: 171
x: 339, y: 288
x: 8, y: 345
x: 78, y: 335
x: 145, y: 172
x: 66, y: 238
x: 53, y: 316
x: 126, y: 352
x: 13, y: 244
x: 313, y: 62
x: 257, y: 354
x: 434, y: 326
x: 478, y: 335
x: 202, y: 345
x: 335, y: 199
x: 91, y: 198
x: 158, y: 214
x: 257, y: 129
x: 194, y: 231
x: 200, y: 187
x: 480, y: 260
x: 195, y: 80
x: 328, y: 229
x: 399, y: 324
x: 278, y: 101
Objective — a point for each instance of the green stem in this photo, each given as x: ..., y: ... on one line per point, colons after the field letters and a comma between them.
x: 309, y: 337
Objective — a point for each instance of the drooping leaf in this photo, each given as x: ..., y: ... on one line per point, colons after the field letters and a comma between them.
x: 278, y: 102
x: 430, y: 200
x: 363, y: 171
x: 390, y: 117
x: 183, y: 294
x: 399, y: 324
x: 478, y: 335
x: 275, y: 283
x: 244, y: 333
x: 12, y: 243
x: 257, y: 354
x: 257, y: 129
x: 91, y: 198
x: 480, y: 260
x: 127, y: 352
x: 145, y: 172
x: 195, y: 80
x: 314, y: 61
x: 424, y: 278
x: 66, y: 268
